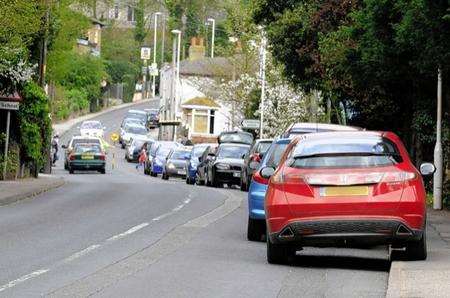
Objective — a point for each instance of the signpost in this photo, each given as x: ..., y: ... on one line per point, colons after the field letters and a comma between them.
x: 114, y: 137
x: 251, y: 124
x: 8, y: 104
x: 145, y: 56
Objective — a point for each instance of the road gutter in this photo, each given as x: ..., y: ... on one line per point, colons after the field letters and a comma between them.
x: 168, y: 244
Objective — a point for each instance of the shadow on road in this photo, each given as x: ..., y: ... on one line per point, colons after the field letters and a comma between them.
x: 341, y: 262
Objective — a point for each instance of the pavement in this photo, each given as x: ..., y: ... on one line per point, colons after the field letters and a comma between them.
x: 430, y: 278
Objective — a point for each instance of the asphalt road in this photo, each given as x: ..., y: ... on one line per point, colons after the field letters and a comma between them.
x: 125, y: 234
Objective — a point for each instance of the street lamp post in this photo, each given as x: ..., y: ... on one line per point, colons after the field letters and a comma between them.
x: 176, y: 76
x: 213, y: 23
x: 263, y: 83
x: 437, y: 178
x: 154, y: 52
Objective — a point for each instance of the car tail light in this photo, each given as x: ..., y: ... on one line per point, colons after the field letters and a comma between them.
x: 255, y: 157
x: 293, y: 183
x: 71, y: 157
x: 102, y: 157
x: 393, y: 181
x: 259, y: 179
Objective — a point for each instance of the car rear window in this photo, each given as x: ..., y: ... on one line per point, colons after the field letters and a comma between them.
x: 91, y: 125
x: 345, y: 153
x: 85, y: 141
x: 236, y: 137
x: 81, y: 148
x: 232, y: 151
x: 263, y: 147
x: 180, y: 155
x: 136, y: 130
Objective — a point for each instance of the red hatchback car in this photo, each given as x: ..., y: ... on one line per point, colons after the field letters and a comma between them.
x: 345, y: 189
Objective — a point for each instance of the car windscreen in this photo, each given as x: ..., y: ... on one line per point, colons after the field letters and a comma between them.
x: 137, y: 130
x: 345, y: 153
x: 236, y: 137
x: 91, y: 125
x: 275, y: 154
x: 83, y: 149
x: 138, y: 143
x: 232, y: 151
x: 180, y: 155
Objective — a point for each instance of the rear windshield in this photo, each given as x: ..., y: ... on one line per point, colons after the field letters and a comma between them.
x: 85, y: 141
x: 345, y: 153
x: 197, y: 151
x: 87, y: 149
x: 137, y: 116
x: 275, y: 155
x: 263, y: 147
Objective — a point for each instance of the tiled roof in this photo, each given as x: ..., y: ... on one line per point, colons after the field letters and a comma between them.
x: 201, y: 101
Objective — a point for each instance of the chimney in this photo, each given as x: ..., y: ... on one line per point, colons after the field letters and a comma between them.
x: 196, y: 49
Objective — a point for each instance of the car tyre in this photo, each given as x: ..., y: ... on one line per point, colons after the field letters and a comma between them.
x: 164, y: 176
x: 102, y: 171
x: 255, y: 229
x: 71, y: 171
x: 417, y: 250
x: 278, y: 253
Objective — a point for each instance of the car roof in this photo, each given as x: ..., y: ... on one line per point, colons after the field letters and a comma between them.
x: 264, y: 141
x: 341, y: 135
x: 137, y: 112
x: 321, y: 126
x: 132, y: 124
x: 234, y: 145
x: 85, y: 138
x: 91, y: 121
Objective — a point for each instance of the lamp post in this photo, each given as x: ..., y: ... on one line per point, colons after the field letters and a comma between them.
x: 176, y: 75
x: 213, y: 23
x: 155, y: 25
x: 263, y: 83
x: 437, y: 178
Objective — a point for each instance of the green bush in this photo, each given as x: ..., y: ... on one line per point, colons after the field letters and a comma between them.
x: 77, y: 99
x: 35, y: 123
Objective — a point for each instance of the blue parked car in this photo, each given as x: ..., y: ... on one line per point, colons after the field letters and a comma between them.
x: 158, y: 154
x: 192, y: 163
x: 257, y: 191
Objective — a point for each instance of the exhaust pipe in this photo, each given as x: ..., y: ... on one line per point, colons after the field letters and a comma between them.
x: 403, y: 231
x: 287, y: 233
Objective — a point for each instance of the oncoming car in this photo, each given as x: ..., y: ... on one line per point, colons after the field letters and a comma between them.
x: 175, y: 165
x: 345, y: 189
x: 87, y: 157
x: 92, y: 128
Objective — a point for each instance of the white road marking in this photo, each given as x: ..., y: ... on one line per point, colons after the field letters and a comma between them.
x: 128, y: 232
x: 22, y: 279
x: 88, y: 249
x: 81, y: 253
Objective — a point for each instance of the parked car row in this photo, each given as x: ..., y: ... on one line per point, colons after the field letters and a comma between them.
x: 315, y: 185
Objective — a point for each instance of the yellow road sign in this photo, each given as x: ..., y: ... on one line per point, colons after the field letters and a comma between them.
x: 114, y: 137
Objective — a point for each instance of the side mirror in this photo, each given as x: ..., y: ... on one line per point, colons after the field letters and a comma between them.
x: 267, y: 172
x: 200, y: 159
x: 427, y: 169
x: 64, y: 146
x: 243, y: 155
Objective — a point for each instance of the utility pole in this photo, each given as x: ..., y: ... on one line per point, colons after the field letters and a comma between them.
x: 213, y: 34
x: 437, y: 177
x: 155, y: 26
x: 163, y: 38
x: 176, y: 47
x: 263, y: 83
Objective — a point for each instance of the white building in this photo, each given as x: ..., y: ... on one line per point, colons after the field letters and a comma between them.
x: 201, y: 118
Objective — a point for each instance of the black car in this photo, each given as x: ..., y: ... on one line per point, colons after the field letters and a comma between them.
x: 252, y: 160
x: 175, y: 165
x: 152, y: 117
x: 208, y: 154
x: 226, y: 165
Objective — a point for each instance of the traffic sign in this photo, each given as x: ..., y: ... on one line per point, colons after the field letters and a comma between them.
x: 9, y: 105
x: 250, y: 123
x: 145, y: 53
x: 114, y: 137
x: 153, y: 69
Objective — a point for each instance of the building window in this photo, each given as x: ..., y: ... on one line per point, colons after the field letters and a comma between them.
x: 211, y: 121
x: 130, y: 14
x: 116, y: 11
x: 200, y: 121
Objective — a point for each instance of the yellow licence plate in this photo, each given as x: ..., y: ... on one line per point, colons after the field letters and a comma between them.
x: 87, y: 156
x: 338, y: 191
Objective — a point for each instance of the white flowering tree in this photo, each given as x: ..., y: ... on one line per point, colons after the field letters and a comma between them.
x: 14, y: 71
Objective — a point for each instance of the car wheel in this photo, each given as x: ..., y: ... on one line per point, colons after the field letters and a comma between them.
x: 66, y: 167
x: 207, y: 181
x: 71, y: 171
x: 417, y: 250
x: 278, y: 253
x: 146, y: 171
x: 216, y: 183
x: 164, y: 176
x: 243, y: 185
x: 255, y: 229
x: 102, y: 171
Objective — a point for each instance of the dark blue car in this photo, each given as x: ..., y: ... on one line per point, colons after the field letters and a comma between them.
x: 192, y: 163
x: 158, y: 154
x: 257, y: 191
